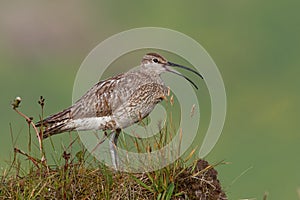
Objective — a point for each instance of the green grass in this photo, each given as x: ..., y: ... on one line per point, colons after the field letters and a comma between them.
x: 79, y: 176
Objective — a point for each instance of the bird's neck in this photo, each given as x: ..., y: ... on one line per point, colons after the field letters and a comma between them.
x: 148, y: 75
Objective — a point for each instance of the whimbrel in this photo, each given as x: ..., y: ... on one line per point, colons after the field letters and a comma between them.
x: 117, y: 102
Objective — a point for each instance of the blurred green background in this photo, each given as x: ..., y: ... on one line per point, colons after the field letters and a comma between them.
x: 255, y: 44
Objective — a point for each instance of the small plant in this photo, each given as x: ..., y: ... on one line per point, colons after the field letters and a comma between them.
x: 82, y: 178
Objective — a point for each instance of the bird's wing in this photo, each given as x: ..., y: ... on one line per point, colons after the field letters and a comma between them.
x: 107, y: 96
x: 94, y: 103
x: 100, y: 100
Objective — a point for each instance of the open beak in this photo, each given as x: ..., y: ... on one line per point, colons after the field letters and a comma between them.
x: 183, y: 67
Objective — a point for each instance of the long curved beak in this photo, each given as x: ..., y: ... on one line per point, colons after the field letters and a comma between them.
x: 186, y: 68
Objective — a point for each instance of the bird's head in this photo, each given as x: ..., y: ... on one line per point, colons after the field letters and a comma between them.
x: 158, y: 64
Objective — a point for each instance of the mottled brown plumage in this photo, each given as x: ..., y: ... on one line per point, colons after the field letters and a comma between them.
x: 124, y: 94
x: 117, y: 102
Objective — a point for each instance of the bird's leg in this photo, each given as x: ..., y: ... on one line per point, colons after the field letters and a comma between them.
x: 114, y: 135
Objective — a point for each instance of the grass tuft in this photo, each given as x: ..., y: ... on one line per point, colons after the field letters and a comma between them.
x: 82, y: 178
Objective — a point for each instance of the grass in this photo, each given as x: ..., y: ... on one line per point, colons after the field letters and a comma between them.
x: 82, y: 178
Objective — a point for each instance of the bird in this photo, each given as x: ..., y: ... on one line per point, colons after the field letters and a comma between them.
x: 117, y: 102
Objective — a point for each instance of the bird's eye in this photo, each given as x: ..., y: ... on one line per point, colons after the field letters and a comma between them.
x: 155, y: 60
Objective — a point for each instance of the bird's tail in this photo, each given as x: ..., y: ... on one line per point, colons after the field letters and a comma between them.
x: 57, y: 123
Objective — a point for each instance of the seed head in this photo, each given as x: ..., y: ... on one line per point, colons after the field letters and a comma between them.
x: 15, y: 104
